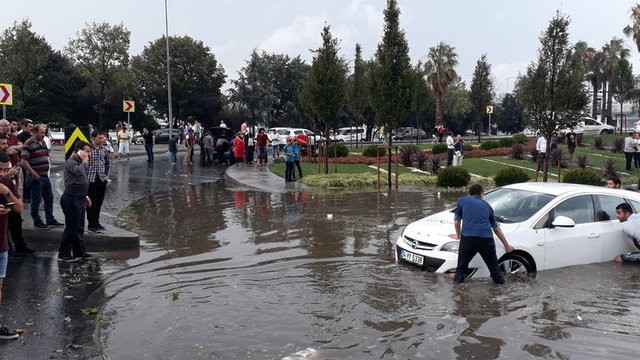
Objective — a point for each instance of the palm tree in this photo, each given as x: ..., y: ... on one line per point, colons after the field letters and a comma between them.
x: 633, y: 30
x: 594, y: 60
x: 613, y: 52
x: 440, y: 72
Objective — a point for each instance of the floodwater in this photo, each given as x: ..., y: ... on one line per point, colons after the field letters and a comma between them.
x: 231, y: 273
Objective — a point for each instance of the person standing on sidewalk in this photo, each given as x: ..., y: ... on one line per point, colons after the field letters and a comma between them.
x: 124, y: 141
x: 208, y: 149
x: 274, y: 138
x: 450, y: 148
x: 261, y: 142
x: 288, y: 161
x: 173, y: 149
x: 149, y: 141
x: 15, y: 218
x: 35, y: 161
x: 474, y: 222
x: 7, y: 195
x: 98, y: 175
x: 74, y: 201
x: 238, y: 149
x: 23, y: 135
x: 189, y: 143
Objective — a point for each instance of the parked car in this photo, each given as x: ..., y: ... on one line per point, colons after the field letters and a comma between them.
x: 162, y: 135
x: 549, y: 225
x: 294, y: 133
x: 409, y: 133
x: 591, y: 126
x: 348, y: 134
x: 137, y: 139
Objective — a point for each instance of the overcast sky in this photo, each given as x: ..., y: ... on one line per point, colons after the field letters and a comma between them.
x: 506, y: 30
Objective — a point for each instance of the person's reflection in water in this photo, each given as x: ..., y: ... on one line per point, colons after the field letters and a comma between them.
x: 292, y: 208
x: 477, y: 306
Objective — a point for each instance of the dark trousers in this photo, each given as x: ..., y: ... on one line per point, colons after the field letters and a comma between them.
x: 249, y: 154
x: 15, y: 229
x: 469, y: 247
x: 297, y: 163
x: 26, y: 193
x: 73, y: 235
x: 288, y: 172
x: 96, y: 194
x: 449, y: 156
x: 542, y: 157
x: 41, y: 189
x: 636, y: 159
x: 628, y: 156
x: 149, y: 149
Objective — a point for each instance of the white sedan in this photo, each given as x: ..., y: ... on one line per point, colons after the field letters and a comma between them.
x: 549, y: 225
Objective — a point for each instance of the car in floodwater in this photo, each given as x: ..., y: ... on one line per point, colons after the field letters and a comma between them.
x: 549, y: 225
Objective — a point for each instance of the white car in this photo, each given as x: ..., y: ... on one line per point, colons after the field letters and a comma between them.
x: 591, y: 126
x: 348, y: 134
x: 549, y: 225
x: 287, y: 132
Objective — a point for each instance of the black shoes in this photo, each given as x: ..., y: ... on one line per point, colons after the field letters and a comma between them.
x: 67, y: 259
x: 40, y: 225
x: 54, y: 223
x: 6, y: 334
x: 24, y: 250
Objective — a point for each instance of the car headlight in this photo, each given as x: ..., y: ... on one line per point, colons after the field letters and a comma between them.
x: 451, y: 246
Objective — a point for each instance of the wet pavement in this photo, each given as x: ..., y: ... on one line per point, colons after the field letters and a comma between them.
x: 227, y: 271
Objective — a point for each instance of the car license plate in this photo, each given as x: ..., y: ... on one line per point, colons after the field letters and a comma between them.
x: 412, y: 258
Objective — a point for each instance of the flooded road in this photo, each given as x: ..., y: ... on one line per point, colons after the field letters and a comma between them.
x: 230, y: 273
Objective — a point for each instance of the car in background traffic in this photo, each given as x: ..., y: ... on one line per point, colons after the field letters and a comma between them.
x: 349, y: 134
x: 590, y: 126
x: 549, y: 225
x: 162, y: 135
x: 409, y: 133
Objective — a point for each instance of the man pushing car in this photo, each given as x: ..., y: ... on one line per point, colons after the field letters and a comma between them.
x: 632, y: 229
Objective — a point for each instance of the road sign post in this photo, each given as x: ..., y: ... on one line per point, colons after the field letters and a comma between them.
x: 6, y: 98
x: 489, y: 111
x: 128, y: 106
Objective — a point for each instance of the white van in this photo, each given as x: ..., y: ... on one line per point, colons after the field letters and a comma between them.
x: 349, y: 134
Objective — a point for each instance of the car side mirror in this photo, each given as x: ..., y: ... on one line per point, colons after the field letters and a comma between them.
x: 563, y: 222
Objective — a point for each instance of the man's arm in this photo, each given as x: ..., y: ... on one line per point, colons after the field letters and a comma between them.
x: 456, y: 224
x: 29, y: 169
x: 508, y: 248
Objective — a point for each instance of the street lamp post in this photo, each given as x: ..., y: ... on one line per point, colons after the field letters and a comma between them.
x: 509, y: 78
x: 166, y: 19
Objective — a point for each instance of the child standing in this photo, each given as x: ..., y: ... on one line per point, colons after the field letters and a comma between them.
x: 288, y: 160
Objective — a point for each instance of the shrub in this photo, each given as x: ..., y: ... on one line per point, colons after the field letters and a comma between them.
x: 371, y: 150
x: 520, y: 138
x: 582, y: 161
x: 341, y: 150
x: 510, y: 175
x: 436, y: 163
x: 506, y: 142
x: 517, y: 151
x: 467, y: 147
x: 598, y: 143
x: 407, y: 152
x: 582, y: 176
x: 580, y: 139
x: 618, y: 145
x: 557, y: 158
x: 609, y: 168
x: 439, y: 148
x: 422, y: 160
x: 453, y: 176
x: 534, y: 155
x: 488, y: 145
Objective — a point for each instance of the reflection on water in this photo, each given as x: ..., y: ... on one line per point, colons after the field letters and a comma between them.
x: 237, y: 274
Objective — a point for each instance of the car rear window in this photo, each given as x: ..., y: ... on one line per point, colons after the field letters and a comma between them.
x: 514, y: 206
x: 283, y: 132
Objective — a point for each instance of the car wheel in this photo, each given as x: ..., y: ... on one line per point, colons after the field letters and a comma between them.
x: 514, y: 264
x: 603, y: 132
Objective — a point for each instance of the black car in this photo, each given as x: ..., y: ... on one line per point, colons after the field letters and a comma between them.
x: 162, y: 135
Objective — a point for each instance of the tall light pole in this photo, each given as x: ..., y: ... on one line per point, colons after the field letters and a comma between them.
x: 509, y: 78
x: 166, y: 21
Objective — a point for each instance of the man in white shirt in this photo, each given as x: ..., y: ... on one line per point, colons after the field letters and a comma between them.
x: 629, y: 150
x: 124, y: 138
x: 541, y: 147
x: 450, y: 148
x: 631, y: 228
x: 275, y: 143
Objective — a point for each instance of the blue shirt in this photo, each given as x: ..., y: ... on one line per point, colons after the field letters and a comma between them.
x: 289, y: 149
x: 476, y: 215
x: 296, y: 152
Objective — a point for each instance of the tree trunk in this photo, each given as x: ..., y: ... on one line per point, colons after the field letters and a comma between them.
x: 604, y: 102
x: 438, y: 110
x: 389, y: 165
x: 545, y: 165
x: 326, y: 148
x: 594, y: 109
x: 610, y: 107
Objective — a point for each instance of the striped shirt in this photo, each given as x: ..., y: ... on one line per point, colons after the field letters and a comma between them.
x: 37, y: 155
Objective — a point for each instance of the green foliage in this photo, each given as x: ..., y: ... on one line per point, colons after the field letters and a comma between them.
x: 488, y: 145
x: 440, y: 70
x: 582, y: 176
x: 371, y: 150
x: 520, y: 138
x: 439, y: 148
x: 407, y: 152
x: 509, y: 115
x: 269, y: 87
x: 482, y: 92
x: 506, y: 142
x: 467, y: 147
x: 510, y: 175
x: 517, y: 151
x: 339, y: 149
x: 453, y: 176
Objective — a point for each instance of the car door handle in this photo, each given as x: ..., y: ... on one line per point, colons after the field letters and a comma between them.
x: 593, y: 236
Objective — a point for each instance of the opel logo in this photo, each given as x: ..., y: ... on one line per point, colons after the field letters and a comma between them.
x: 414, y: 244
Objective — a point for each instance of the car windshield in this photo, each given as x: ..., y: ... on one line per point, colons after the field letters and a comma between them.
x: 283, y: 132
x: 514, y: 206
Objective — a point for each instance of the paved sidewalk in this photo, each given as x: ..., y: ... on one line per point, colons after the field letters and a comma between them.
x: 260, y: 178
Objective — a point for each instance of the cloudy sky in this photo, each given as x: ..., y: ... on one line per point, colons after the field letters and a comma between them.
x: 506, y: 30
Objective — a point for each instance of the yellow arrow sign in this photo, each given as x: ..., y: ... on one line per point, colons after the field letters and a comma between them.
x: 6, y: 94
x: 128, y: 106
x: 70, y: 143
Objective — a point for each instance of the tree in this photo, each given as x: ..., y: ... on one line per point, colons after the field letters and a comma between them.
x: 552, y: 92
x: 420, y: 99
x: 622, y: 85
x: 440, y: 70
x: 457, y: 107
x: 324, y: 91
x: 594, y: 60
x: 101, y: 52
x: 510, y: 115
x: 268, y: 88
x: 482, y: 92
x: 196, y: 79
x: 45, y: 84
x: 633, y: 30
x: 391, y: 75
x: 358, y: 96
x: 613, y: 52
